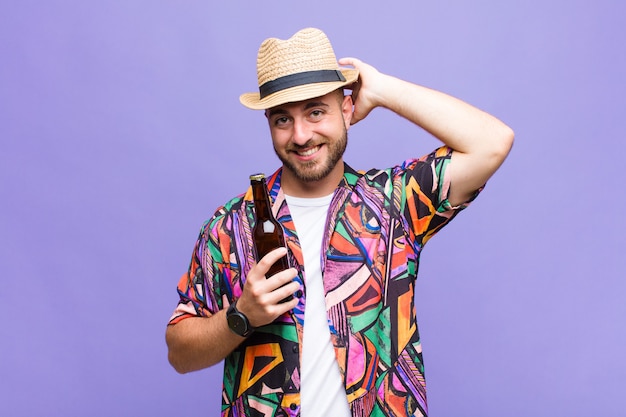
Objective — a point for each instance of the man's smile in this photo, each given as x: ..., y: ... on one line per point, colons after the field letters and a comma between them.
x: 307, y: 152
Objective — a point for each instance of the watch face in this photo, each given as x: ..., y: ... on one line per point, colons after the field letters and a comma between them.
x: 237, y: 324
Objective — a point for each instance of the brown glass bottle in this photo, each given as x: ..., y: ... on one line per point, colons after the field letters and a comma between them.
x: 267, y: 233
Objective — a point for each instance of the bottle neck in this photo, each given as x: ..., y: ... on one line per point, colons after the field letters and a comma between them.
x: 262, y: 204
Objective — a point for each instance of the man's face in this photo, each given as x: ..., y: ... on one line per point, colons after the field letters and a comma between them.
x: 310, y: 136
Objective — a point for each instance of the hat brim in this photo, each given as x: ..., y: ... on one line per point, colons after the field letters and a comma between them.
x: 298, y: 93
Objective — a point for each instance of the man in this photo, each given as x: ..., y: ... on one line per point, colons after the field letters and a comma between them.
x: 347, y: 344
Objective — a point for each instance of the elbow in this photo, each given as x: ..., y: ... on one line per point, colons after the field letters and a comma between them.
x: 508, y: 138
x: 180, y: 360
x: 183, y: 365
x: 503, y: 143
x: 497, y: 149
x: 183, y: 353
x: 174, y: 358
x: 176, y: 363
x: 175, y: 352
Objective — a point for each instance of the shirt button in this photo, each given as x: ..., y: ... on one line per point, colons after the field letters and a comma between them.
x: 293, y: 406
x: 294, y: 349
x: 299, y: 294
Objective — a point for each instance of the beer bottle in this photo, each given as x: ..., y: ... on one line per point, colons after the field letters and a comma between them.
x: 267, y: 233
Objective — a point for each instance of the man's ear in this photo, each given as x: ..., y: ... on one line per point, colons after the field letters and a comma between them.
x: 347, y: 110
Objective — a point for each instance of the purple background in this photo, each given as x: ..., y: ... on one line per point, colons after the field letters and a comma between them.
x: 121, y: 132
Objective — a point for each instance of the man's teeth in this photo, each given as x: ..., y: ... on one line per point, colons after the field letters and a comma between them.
x: 309, y: 151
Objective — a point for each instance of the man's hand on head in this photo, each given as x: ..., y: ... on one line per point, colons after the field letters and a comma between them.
x: 365, y: 91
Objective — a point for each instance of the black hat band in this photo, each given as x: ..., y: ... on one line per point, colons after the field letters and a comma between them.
x: 301, y: 78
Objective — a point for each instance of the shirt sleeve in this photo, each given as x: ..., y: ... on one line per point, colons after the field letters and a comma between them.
x: 426, y: 189
x: 195, y: 296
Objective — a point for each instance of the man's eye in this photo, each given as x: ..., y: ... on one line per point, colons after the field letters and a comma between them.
x: 316, y: 114
x: 281, y: 121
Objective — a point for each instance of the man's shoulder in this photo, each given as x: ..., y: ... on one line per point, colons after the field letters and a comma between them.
x: 232, y: 207
x: 378, y: 177
x: 407, y: 166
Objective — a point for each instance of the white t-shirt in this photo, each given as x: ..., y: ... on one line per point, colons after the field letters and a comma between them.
x: 322, y: 392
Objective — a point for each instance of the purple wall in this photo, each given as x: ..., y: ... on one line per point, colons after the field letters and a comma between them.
x: 119, y: 121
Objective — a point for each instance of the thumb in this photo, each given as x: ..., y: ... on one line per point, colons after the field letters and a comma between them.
x: 361, y: 110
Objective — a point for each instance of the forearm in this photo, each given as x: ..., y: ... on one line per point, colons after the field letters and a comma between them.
x: 200, y: 342
x: 457, y: 124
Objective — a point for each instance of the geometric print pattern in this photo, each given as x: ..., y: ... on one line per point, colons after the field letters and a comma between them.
x: 377, y: 225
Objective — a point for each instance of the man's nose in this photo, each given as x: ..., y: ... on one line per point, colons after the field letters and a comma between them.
x: 301, y: 132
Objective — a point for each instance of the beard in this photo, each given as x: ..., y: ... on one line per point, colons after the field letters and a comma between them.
x: 317, y: 170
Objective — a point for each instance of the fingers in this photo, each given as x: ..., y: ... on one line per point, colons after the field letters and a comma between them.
x: 262, y: 294
x: 271, y: 290
x: 356, y: 63
x: 283, y: 285
x: 350, y: 61
x: 261, y: 302
x: 258, y: 283
x: 259, y: 271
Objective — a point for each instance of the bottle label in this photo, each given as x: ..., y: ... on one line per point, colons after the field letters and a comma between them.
x: 268, y: 227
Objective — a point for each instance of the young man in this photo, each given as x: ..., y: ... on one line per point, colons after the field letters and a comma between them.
x: 347, y: 344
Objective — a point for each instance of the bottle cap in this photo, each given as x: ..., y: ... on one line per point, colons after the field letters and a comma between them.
x: 257, y: 177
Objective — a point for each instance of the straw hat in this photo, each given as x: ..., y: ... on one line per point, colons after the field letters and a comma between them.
x: 299, y: 68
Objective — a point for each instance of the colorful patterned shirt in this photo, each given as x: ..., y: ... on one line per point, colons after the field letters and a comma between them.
x: 377, y: 225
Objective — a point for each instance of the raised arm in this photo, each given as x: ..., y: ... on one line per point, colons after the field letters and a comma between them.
x: 480, y: 141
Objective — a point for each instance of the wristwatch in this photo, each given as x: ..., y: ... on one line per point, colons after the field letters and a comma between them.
x: 238, y: 323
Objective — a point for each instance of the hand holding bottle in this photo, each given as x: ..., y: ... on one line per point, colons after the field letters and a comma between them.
x: 263, y: 293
